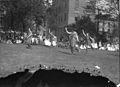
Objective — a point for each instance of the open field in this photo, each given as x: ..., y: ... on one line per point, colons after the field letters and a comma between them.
x: 14, y: 58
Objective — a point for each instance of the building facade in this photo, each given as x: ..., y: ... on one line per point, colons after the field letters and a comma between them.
x: 104, y: 23
x: 110, y: 24
x: 1, y: 23
x: 65, y: 12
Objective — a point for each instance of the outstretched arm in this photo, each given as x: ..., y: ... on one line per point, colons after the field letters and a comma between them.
x: 76, y: 35
x: 51, y: 33
x: 68, y: 31
x: 92, y: 39
x: 42, y: 28
x: 77, y: 38
x: 49, y: 30
x: 83, y: 33
x: 30, y: 32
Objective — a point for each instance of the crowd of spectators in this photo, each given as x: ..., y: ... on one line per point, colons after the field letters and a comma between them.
x: 10, y: 37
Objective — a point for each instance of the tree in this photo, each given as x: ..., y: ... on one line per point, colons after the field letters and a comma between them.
x: 108, y: 8
x: 103, y: 10
x: 90, y: 8
x: 51, y: 16
x: 21, y: 12
x: 86, y: 24
x: 103, y: 7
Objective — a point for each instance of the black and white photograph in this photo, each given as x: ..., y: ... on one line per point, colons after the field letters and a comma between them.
x: 59, y: 43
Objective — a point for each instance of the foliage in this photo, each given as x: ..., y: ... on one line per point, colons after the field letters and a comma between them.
x: 103, y: 7
x: 103, y: 10
x: 90, y: 7
x: 51, y: 16
x: 115, y: 32
x: 107, y: 7
x: 86, y: 24
x: 21, y: 12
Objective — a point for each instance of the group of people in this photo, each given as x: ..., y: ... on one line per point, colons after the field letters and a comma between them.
x: 11, y: 37
x: 89, y: 42
x: 48, y: 40
x: 75, y: 44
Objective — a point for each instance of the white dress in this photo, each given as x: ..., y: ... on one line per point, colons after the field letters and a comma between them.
x: 47, y: 42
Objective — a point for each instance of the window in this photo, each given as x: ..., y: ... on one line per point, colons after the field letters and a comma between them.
x: 60, y: 19
x: 76, y: 5
x: 66, y: 1
x: 65, y: 16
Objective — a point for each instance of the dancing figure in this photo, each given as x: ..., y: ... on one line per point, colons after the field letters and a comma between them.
x: 53, y: 39
x: 41, y: 33
x: 73, y: 40
x: 87, y: 40
x: 29, y: 38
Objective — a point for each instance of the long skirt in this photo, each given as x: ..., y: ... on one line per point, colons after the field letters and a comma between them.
x: 88, y: 45
x: 74, y: 45
x: 29, y: 40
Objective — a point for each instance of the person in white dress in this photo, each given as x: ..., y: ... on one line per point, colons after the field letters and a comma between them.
x: 53, y: 39
x: 88, y: 42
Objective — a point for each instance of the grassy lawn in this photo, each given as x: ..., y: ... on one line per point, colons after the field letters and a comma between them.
x: 13, y: 57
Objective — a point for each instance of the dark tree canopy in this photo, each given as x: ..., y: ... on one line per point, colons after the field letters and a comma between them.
x: 84, y: 23
x: 21, y: 12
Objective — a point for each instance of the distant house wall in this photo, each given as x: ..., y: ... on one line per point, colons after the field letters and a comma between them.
x: 106, y: 25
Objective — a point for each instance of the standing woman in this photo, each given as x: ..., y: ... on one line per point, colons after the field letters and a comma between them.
x: 29, y: 38
x: 53, y: 39
x: 88, y: 42
x: 41, y: 33
x: 73, y: 40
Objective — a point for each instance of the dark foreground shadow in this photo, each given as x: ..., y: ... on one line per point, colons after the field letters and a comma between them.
x: 54, y: 78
